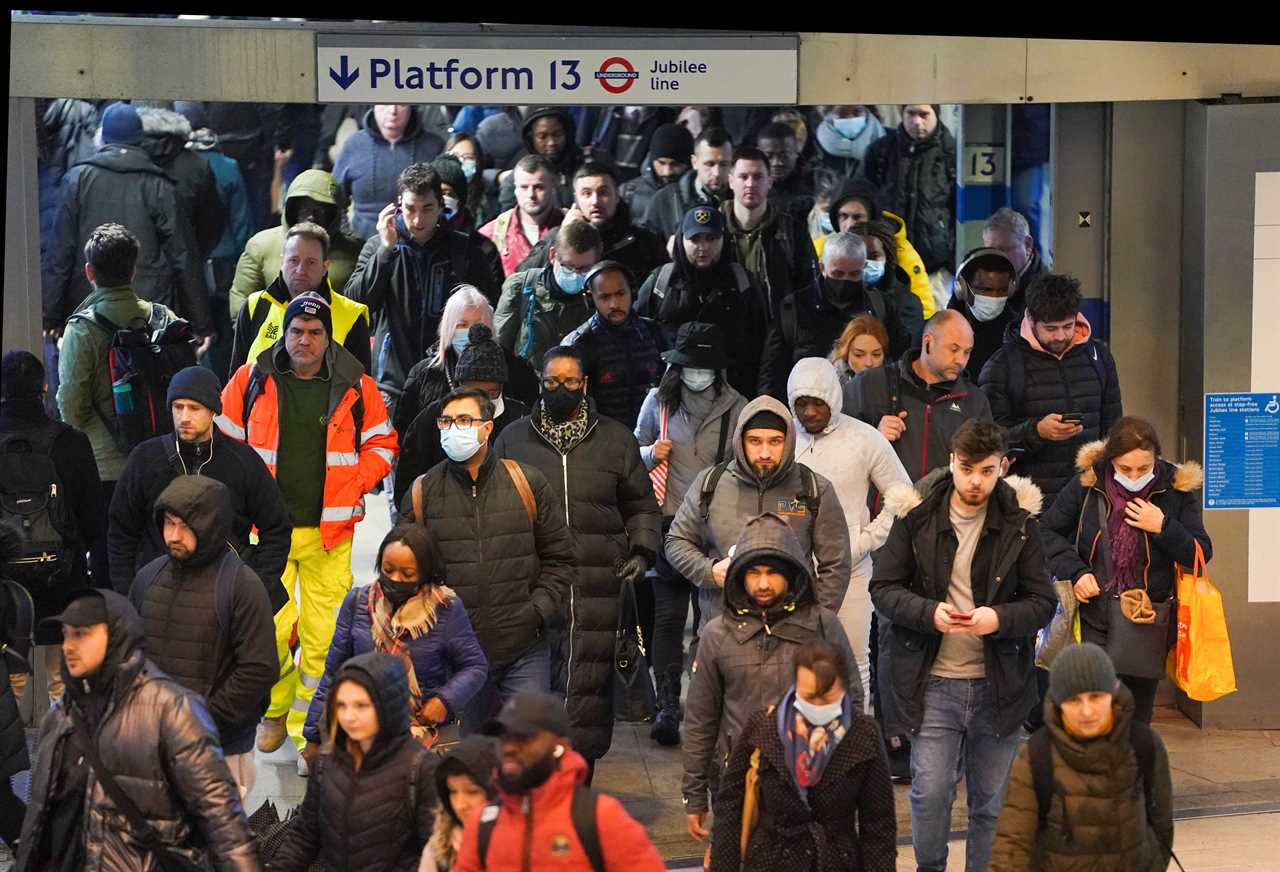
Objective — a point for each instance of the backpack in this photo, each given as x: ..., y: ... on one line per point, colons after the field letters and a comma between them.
x: 140, y: 363
x: 582, y: 810
x: 809, y: 495
x: 663, y: 281
x: 1015, y: 388
x: 33, y: 508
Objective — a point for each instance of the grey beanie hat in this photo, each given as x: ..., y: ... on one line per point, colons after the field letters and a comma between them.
x: 1083, y: 668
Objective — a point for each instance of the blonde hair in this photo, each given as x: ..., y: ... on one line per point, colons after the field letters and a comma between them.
x: 462, y: 298
x: 863, y: 325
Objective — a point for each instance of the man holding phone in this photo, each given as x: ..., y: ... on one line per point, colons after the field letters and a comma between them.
x: 963, y: 582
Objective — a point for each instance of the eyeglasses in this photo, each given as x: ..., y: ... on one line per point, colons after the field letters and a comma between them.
x: 444, y: 422
x: 573, y: 384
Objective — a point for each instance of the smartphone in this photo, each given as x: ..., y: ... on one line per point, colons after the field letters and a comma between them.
x: 1073, y: 417
x: 959, y: 615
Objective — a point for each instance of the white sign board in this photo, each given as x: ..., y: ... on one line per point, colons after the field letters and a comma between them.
x: 983, y: 164
x: 577, y: 71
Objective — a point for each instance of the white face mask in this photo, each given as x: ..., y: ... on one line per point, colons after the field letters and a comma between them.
x: 819, y: 715
x: 1134, y: 485
x: 986, y: 308
x: 498, y: 407
x: 697, y: 380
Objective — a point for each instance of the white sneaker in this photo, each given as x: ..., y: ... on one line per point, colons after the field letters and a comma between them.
x: 303, y: 769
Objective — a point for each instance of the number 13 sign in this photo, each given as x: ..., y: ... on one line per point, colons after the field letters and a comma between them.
x: 983, y: 164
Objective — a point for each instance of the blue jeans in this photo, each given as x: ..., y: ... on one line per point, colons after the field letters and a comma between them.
x: 957, y: 738
x: 531, y: 672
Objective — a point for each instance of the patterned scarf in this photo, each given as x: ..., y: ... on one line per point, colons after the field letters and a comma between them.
x: 1125, y: 541
x: 564, y: 435
x: 392, y: 631
x: 809, y: 746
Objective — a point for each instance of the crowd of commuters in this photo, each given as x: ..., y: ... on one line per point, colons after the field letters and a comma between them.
x: 706, y: 359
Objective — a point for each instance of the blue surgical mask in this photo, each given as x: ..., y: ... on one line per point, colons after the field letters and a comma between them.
x: 460, y: 443
x: 819, y: 715
x: 697, y: 380
x: 468, y: 169
x: 824, y: 221
x: 849, y: 128
x: 1134, y: 485
x: 569, y: 281
x: 986, y: 308
x: 460, y: 339
x: 873, y: 272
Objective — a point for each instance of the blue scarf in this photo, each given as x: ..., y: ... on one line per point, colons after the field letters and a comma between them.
x: 809, y: 746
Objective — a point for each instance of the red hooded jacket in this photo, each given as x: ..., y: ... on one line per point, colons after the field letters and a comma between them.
x: 544, y: 837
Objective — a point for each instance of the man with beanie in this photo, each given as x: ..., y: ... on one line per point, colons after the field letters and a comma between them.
x: 483, y: 366
x: 1092, y: 788
x: 119, y: 184
x: 125, y: 720
x: 667, y: 160
x: 705, y: 184
x: 537, y: 212
x: 763, y: 475
x: 963, y: 587
x: 746, y: 653
x: 198, y: 447
x: 306, y: 268
x: 322, y: 430
x: 205, y: 616
x: 37, y: 454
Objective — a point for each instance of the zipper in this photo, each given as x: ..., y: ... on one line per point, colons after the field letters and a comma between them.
x: 928, y: 417
x: 527, y: 861
x: 475, y: 502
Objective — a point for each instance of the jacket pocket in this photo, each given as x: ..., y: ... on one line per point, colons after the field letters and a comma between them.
x: 1013, y: 664
x: 908, y: 662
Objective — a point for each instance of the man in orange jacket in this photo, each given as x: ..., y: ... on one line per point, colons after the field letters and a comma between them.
x: 541, y: 785
x: 319, y: 424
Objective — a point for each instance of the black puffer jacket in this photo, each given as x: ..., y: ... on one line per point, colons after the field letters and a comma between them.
x: 376, y: 815
x: 1008, y: 573
x: 605, y: 488
x: 134, y: 539
x: 159, y: 741
x: 514, y: 577
x: 917, y: 180
x: 1049, y: 384
x: 621, y: 363
x: 120, y: 184
x: 164, y: 139
x: 13, y: 734
x: 232, y: 667
x: 634, y: 246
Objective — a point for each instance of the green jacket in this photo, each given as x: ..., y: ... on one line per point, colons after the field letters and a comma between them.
x: 84, y: 384
x: 260, y: 263
x: 556, y: 316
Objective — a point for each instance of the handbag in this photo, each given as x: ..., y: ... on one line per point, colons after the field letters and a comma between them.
x: 1064, y: 630
x: 1137, y: 629
x: 634, y: 697
x: 1200, y: 663
x: 167, y: 857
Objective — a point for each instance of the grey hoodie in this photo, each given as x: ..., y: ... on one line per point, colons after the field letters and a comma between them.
x: 741, y: 494
x: 746, y: 655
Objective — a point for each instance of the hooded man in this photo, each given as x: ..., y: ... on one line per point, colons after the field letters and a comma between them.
x: 164, y: 139
x: 855, y: 458
x: 198, y: 447
x: 124, y: 720
x: 313, y: 196
x: 666, y: 162
x: 984, y: 284
x: 549, y: 132
x: 745, y: 660
x: 206, y: 616
x: 762, y: 476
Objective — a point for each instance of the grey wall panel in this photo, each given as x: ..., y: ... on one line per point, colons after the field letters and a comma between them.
x: 22, y: 232
x: 1080, y: 157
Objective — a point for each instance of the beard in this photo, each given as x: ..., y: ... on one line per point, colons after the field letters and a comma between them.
x: 533, y: 775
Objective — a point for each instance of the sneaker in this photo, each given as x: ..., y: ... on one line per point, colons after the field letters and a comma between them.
x: 303, y: 769
x: 271, y: 734
x: 899, y: 762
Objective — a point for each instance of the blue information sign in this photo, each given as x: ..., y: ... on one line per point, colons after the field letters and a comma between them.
x: 1241, y: 451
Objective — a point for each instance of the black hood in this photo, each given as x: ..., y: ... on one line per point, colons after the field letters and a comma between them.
x: 477, y: 758
x: 384, y: 678
x: 770, y: 539
x: 205, y: 505
x: 568, y: 157
x: 126, y: 653
x: 124, y: 159
x: 164, y: 134
x: 855, y: 189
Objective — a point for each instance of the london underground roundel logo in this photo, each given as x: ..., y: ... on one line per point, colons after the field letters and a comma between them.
x: 616, y: 75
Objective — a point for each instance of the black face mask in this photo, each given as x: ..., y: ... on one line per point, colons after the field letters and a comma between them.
x: 562, y: 402
x: 398, y: 592
x: 533, y: 776
x: 842, y: 292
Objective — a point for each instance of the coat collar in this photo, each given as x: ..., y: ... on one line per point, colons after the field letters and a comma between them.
x: 1186, y: 477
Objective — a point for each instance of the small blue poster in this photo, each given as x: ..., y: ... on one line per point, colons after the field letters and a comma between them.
x: 1241, y: 451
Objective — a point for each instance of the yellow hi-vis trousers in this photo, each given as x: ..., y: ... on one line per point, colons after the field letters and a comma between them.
x: 317, y: 581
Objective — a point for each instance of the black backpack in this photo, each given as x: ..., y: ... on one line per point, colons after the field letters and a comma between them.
x: 141, y: 360
x: 582, y: 810
x: 33, y: 507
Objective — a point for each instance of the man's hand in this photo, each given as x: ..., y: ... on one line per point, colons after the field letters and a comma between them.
x: 205, y: 345
x: 662, y: 449
x: 893, y: 426
x: 719, y: 570
x: 387, y: 226
x: 698, y: 825
x: 1053, y: 428
x: 309, y: 754
x: 282, y: 156
x: 1144, y: 515
x: 434, y: 711
x: 573, y: 215
x: 54, y: 333
x: 632, y: 569
x: 983, y: 621
x: 1086, y: 587
x: 944, y: 620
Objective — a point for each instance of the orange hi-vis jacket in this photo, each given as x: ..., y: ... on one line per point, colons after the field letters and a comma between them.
x: 360, y: 443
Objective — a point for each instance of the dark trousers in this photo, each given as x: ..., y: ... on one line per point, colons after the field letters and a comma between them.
x: 670, y: 614
x: 12, y: 810
x: 1144, y: 695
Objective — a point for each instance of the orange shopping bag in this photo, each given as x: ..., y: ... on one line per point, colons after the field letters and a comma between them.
x: 1200, y: 662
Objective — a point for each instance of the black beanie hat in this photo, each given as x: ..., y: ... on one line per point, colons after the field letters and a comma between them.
x: 196, y: 383
x: 765, y: 420
x: 21, y: 375
x: 482, y: 359
x: 310, y: 305
x: 671, y: 141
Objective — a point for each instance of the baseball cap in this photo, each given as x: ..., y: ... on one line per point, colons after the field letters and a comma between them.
x: 85, y: 610
x: 528, y: 713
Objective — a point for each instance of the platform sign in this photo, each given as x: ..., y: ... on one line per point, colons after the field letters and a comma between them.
x: 1242, y: 451
x: 520, y: 69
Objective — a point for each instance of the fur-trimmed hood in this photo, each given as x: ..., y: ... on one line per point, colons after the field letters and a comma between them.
x: 1186, y: 476
x: 902, y: 499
